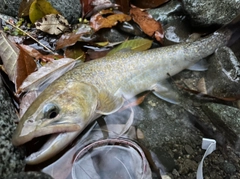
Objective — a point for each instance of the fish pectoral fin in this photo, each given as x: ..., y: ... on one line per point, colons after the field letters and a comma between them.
x: 108, y: 104
x: 201, y: 65
x: 165, y: 91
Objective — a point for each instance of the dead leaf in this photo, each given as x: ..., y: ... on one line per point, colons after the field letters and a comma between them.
x: 40, y: 8
x: 9, y: 55
x: 54, y: 24
x: 98, y: 21
x: 150, y: 26
x: 24, y: 8
x: 25, y: 66
x: 135, y: 45
x: 124, y: 5
x: 95, y: 54
x: 148, y: 3
x: 75, y: 52
x: 40, y: 79
x: 38, y: 56
x: 69, y: 39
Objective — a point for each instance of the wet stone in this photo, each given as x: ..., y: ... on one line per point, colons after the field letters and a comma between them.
x: 223, y: 76
x: 229, y: 168
x: 189, y: 149
x: 167, y: 12
x: 206, y: 13
x: 11, y: 158
x: 227, y: 120
x: 70, y: 9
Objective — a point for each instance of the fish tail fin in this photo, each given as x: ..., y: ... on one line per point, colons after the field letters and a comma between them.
x: 232, y: 29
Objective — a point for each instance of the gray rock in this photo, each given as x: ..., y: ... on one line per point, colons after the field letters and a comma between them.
x: 70, y: 9
x: 227, y: 120
x: 11, y: 158
x: 170, y: 11
x: 223, y: 76
x: 205, y: 13
x: 29, y: 175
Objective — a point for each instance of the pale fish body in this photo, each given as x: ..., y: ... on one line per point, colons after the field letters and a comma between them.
x: 100, y: 87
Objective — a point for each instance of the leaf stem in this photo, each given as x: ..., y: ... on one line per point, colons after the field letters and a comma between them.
x: 28, y: 35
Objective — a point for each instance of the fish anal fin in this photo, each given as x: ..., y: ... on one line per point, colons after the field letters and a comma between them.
x: 166, y: 92
x: 108, y: 104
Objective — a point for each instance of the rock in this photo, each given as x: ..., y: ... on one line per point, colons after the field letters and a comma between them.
x: 176, y: 31
x: 229, y: 167
x: 205, y: 13
x: 227, y: 120
x: 11, y: 158
x: 29, y: 175
x: 223, y: 76
x: 70, y: 9
x: 189, y: 149
x: 170, y: 11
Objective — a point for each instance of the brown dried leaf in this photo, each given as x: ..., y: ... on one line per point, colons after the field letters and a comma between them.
x: 70, y: 39
x: 25, y: 66
x: 75, y: 52
x: 9, y: 55
x: 98, y: 21
x: 54, y: 24
x: 150, y: 26
x: 38, y: 56
x: 24, y: 8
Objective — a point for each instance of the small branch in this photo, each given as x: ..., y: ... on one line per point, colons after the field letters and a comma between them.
x: 28, y: 35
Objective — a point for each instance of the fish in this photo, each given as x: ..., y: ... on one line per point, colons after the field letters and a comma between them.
x: 100, y: 87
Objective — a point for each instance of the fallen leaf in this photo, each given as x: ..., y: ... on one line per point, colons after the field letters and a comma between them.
x: 69, y: 39
x: 40, y: 8
x: 24, y: 8
x: 95, y: 54
x: 40, y: 79
x: 124, y: 5
x: 38, y: 56
x: 135, y: 45
x: 75, y: 52
x: 150, y: 26
x: 86, y: 6
x: 98, y: 21
x: 54, y: 24
x: 9, y: 55
x: 25, y: 66
x: 148, y: 3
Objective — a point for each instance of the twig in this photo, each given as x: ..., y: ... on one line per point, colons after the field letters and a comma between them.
x: 28, y: 35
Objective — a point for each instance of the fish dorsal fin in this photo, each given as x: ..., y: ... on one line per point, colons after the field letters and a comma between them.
x: 108, y: 104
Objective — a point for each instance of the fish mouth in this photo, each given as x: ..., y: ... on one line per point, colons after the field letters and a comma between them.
x: 54, y: 144
x: 61, y: 135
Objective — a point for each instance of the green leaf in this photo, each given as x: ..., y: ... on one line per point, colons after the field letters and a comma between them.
x: 135, y: 45
x: 40, y: 8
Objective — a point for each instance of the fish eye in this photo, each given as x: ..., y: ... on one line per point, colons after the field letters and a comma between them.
x: 50, y: 111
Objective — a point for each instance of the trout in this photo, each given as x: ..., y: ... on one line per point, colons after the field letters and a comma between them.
x: 101, y: 86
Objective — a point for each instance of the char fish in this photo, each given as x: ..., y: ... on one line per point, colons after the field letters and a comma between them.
x: 101, y: 86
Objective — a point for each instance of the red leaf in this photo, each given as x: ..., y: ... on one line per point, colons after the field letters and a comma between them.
x: 150, y: 26
x: 25, y: 66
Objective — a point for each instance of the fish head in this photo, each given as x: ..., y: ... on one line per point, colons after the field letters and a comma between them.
x: 64, y: 107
